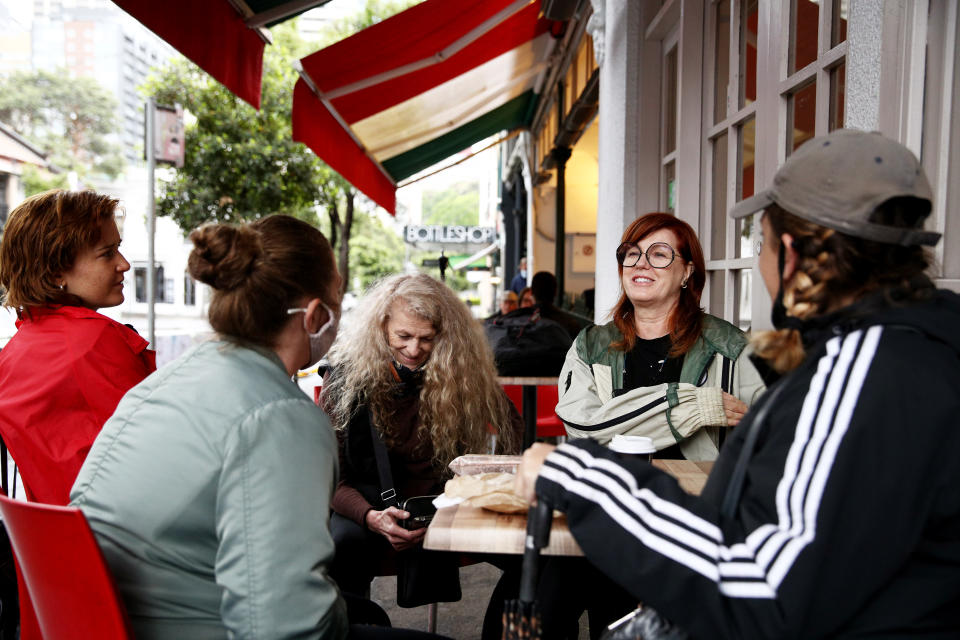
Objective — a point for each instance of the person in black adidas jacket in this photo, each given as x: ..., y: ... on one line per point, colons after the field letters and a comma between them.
x: 833, y: 510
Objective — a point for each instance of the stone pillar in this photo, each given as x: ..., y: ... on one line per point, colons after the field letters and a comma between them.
x: 619, y: 141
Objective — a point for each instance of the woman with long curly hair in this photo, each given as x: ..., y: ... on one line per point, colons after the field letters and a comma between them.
x: 662, y: 368
x: 413, y: 362
x: 832, y: 510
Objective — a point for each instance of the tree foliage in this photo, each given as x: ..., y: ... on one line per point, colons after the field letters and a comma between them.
x: 240, y: 163
x: 459, y: 204
x: 72, y: 120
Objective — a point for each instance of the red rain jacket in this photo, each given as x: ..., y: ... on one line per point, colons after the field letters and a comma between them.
x: 61, y: 376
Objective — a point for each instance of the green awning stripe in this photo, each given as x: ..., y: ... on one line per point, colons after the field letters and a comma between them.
x: 516, y: 113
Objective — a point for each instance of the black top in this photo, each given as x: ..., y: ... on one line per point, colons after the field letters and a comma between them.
x: 647, y: 365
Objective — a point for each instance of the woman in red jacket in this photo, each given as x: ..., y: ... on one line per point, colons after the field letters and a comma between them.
x: 65, y: 370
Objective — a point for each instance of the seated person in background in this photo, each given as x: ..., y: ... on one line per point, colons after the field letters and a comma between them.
x: 526, y: 298
x: 662, y: 368
x: 544, y: 290
x: 508, y: 303
x: 64, y: 371
x: 209, y: 489
x: 415, y: 363
x: 833, y: 509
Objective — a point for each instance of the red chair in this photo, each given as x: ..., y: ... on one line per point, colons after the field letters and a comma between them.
x: 68, y: 581
x: 548, y: 424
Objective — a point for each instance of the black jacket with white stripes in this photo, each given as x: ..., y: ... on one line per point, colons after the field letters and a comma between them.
x: 848, y: 524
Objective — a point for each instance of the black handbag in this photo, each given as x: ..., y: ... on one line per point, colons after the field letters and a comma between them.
x: 423, y: 577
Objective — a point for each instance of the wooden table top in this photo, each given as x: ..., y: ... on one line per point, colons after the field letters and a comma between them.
x: 471, y: 529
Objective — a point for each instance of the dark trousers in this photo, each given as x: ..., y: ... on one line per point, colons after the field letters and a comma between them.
x: 566, y: 587
x: 360, y: 555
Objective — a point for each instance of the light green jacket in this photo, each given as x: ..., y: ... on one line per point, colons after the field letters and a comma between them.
x: 689, y: 412
x: 209, y: 492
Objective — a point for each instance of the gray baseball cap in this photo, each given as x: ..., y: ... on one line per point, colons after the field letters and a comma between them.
x: 839, y: 179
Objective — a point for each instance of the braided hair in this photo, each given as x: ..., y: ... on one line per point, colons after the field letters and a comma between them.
x: 834, y: 269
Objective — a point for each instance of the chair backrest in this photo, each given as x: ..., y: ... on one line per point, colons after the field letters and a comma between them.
x: 68, y: 581
x: 548, y: 424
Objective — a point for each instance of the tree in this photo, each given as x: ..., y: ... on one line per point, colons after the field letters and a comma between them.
x: 70, y: 119
x: 240, y: 163
x: 458, y: 204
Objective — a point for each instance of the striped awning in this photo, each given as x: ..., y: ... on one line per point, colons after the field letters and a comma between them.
x: 225, y: 38
x: 421, y: 86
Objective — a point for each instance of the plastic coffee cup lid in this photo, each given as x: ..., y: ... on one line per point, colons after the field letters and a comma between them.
x: 632, y: 444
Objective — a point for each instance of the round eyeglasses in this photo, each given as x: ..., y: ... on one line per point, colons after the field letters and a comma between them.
x: 659, y: 255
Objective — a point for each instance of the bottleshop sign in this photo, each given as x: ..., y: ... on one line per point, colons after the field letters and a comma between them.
x: 452, y: 234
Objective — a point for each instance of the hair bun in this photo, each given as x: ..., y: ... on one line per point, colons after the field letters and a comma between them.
x: 224, y: 256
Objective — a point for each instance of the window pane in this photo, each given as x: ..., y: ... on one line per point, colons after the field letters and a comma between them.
x: 838, y: 33
x: 721, y: 56
x: 745, y: 245
x: 748, y: 136
x: 801, y: 114
x: 838, y: 86
x: 719, y: 209
x: 670, y: 102
x: 742, y: 287
x: 804, y: 26
x: 745, y: 187
x: 748, y: 52
x: 670, y: 187
x: 717, y: 280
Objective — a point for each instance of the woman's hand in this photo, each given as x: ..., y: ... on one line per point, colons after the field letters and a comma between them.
x: 529, y: 469
x: 734, y: 408
x: 385, y: 523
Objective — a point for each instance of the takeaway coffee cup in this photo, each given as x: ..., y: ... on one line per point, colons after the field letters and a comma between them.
x: 634, y: 445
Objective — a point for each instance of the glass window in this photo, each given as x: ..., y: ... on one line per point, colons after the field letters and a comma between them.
x: 748, y: 52
x: 670, y: 102
x: 838, y: 86
x: 140, y: 283
x: 717, y: 280
x: 745, y: 188
x: 189, y: 290
x: 838, y: 32
x: 670, y: 186
x: 742, y: 298
x: 721, y: 73
x: 804, y: 29
x: 801, y: 116
x: 719, y: 212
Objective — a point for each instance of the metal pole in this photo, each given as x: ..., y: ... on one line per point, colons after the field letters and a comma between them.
x: 150, y: 111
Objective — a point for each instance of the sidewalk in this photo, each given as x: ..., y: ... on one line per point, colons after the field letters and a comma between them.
x: 461, y: 620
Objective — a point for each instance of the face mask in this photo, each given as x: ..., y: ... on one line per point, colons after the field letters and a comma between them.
x: 322, y: 340
x: 778, y: 315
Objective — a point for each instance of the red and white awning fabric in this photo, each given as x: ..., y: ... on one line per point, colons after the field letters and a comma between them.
x: 225, y: 38
x: 418, y: 87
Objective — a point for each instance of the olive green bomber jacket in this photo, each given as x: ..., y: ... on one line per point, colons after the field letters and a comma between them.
x: 689, y: 412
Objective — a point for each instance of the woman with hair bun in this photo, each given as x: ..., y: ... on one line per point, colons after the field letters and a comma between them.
x: 64, y: 371
x: 209, y: 489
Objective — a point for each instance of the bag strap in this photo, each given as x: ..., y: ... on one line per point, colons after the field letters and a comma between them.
x: 3, y: 466
x: 735, y: 488
x: 387, y: 493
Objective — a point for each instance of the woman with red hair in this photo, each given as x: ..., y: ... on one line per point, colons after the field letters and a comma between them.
x: 662, y: 368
